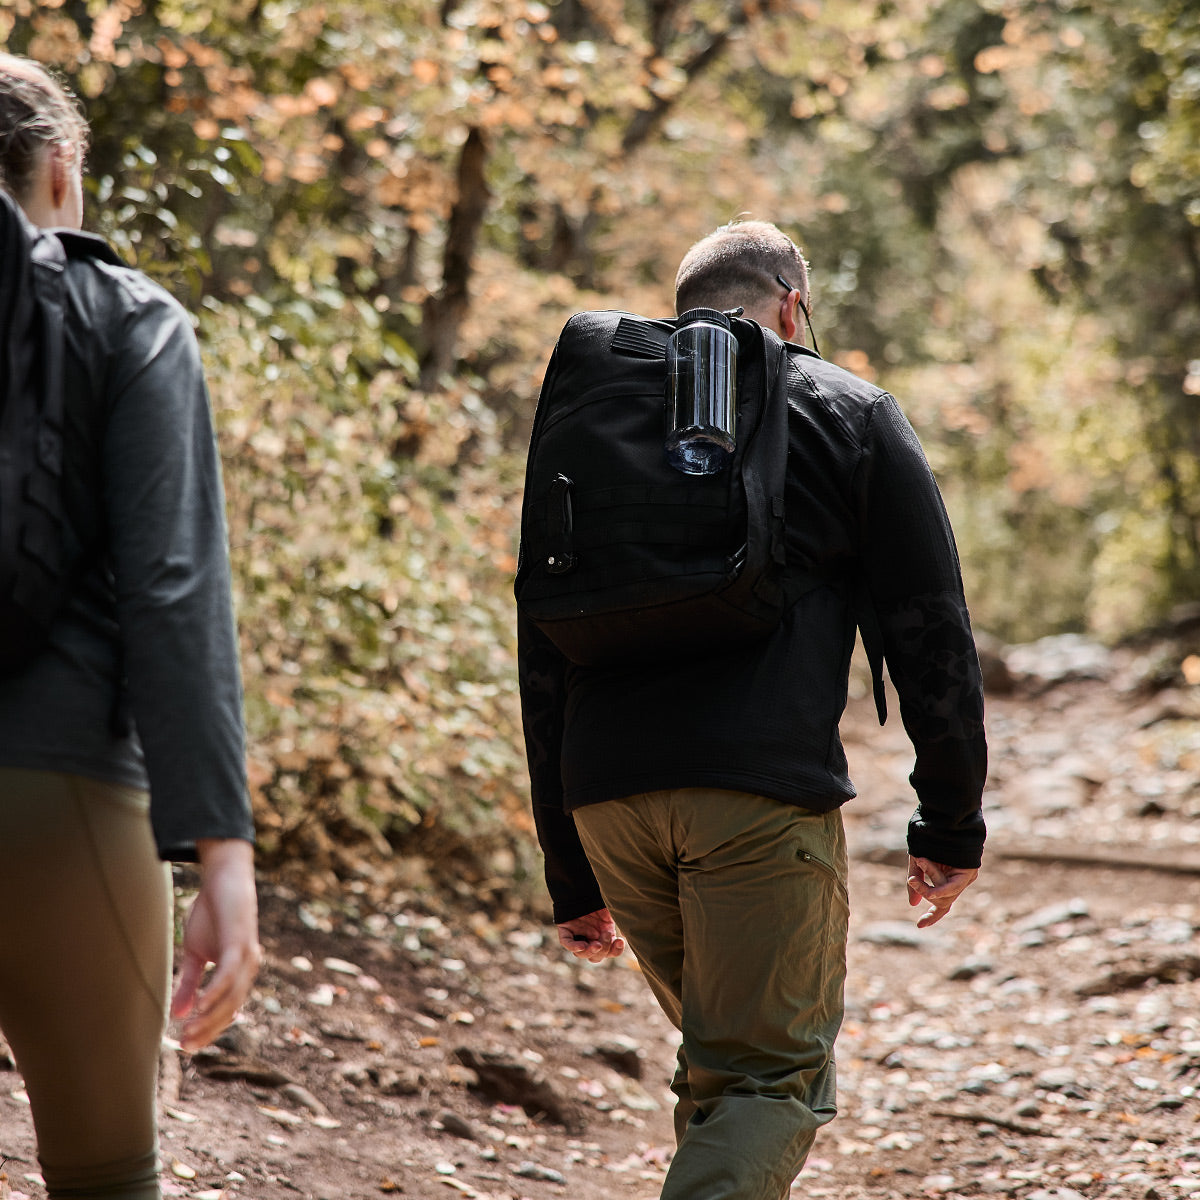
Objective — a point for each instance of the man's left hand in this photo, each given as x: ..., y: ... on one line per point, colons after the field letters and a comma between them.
x: 593, y: 936
x: 938, y: 883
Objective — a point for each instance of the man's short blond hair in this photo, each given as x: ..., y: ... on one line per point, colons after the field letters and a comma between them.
x: 738, y: 264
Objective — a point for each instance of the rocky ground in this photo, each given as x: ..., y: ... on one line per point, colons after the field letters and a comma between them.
x: 1041, y: 1043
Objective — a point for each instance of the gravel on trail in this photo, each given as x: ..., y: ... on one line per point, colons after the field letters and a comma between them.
x: 1041, y: 1043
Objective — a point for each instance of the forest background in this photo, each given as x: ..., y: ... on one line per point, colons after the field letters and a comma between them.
x: 381, y: 212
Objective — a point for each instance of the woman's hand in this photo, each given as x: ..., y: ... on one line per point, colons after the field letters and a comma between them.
x: 221, y: 928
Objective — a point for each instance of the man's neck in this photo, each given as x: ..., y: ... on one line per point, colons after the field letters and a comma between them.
x: 767, y: 315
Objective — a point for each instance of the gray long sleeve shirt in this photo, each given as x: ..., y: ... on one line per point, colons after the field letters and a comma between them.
x: 152, y: 602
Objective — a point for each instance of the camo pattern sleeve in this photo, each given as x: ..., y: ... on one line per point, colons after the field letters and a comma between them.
x: 541, y: 671
x: 913, y: 575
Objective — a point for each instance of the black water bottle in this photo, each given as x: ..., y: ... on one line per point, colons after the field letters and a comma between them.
x: 701, y: 393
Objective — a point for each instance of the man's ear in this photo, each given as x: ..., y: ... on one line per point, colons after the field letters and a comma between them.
x: 787, y: 315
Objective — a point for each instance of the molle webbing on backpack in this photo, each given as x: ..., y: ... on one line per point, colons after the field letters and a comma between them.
x: 640, y: 339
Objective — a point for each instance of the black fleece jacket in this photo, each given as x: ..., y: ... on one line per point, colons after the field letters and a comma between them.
x: 865, y: 514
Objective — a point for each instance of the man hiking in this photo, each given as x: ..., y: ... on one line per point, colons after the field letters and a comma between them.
x: 693, y: 802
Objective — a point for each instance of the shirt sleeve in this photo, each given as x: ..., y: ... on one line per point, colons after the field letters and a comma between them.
x: 915, y: 584
x: 541, y: 670
x: 165, y: 516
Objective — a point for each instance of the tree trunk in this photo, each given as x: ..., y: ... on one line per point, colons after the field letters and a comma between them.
x: 647, y: 120
x: 444, y: 312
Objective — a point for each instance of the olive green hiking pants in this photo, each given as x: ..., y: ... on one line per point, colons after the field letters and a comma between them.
x: 85, y: 967
x: 736, y: 908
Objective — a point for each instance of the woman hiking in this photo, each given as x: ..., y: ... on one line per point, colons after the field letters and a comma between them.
x: 121, y: 737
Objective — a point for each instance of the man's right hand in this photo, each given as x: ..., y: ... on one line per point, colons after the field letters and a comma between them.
x: 593, y: 936
x: 938, y: 883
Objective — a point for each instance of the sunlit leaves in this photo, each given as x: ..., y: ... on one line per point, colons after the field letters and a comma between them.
x: 371, y: 561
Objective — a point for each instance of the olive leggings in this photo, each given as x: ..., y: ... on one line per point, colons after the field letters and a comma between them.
x: 85, y: 964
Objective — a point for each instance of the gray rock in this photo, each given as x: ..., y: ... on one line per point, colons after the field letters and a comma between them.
x: 303, y: 1098
x: 1019, y: 986
x: 1057, y: 659
x: 623, y: 1054
x: 241, y: 1040
x: 531, y: 1170
x: 355, y: 1073
x: 1053, y: 914
x: 977, y: 1087
x: 215, y: 1064
x: 1062, y: 1080
x: 502, y: 1077
x: 452, y: 1123
x: 1047, y: 791
x: 402, y: 1081
x: 1173, y: 931
x: 891, y: 933
x: 972, y: 968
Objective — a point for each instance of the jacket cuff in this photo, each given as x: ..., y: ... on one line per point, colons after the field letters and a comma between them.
x: 966, y: 853
x: 577, y: 906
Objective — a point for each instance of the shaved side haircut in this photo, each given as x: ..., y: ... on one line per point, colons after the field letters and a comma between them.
x: 738, y: 261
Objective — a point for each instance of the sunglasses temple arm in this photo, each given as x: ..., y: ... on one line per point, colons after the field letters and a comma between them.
x: 811, y: 334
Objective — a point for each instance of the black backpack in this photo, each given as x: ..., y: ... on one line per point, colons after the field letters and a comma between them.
x: 622, y: 556
x: 34, y: 567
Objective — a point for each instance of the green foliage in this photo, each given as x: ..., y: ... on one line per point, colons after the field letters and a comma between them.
x: 371, y: 550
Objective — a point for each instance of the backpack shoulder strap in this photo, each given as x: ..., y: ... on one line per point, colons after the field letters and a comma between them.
x: 49, y: 288
x: 18, y: 306
x: 32, y: 432
x: 764, y: 467
x: 32, y: 308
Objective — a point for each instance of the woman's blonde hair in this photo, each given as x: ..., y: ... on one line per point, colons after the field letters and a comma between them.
x: 36, y: 111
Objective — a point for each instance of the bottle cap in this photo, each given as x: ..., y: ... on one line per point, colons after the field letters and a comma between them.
x: 713, y: 316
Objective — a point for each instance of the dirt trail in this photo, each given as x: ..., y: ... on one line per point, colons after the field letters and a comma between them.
x: 1041, y: 1043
